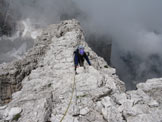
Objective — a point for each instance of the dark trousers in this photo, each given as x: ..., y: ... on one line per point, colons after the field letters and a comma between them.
x: 81, y: 63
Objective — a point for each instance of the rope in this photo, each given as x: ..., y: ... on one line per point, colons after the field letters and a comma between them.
x: 69, y: 102
x: 78, y: 43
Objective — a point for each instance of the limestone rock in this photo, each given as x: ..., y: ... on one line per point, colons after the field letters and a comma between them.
x: 13, y: 113
x: 44, y: 86
x: 84, y: 111
x: 153, y: 88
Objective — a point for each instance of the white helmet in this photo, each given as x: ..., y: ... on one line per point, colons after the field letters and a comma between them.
x: 80, y: 47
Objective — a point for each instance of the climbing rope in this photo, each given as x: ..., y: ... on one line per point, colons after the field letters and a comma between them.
x: 69, y: 101
x: 73, y: 89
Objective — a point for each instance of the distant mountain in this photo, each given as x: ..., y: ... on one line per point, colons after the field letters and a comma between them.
x: 7, y: 22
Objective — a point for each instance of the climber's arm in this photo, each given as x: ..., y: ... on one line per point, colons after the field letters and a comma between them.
x: 87, y: 59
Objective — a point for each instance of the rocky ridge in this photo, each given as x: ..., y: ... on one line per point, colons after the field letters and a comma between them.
x: 51, y: 92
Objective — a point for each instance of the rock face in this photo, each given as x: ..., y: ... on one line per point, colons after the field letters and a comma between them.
x: 7, y: 21
x: 11, y: 75
x: 51, y: 92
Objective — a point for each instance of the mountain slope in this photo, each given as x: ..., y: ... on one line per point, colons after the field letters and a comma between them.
x: 52, y: 92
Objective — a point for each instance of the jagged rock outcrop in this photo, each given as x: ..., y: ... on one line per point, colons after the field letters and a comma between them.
x: 11, y: 75
x: 51, y: 92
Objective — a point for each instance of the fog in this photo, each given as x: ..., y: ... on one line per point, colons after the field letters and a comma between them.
x: 133, y: 26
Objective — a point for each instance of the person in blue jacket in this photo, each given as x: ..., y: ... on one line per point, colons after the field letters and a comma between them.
x: 79, y: 56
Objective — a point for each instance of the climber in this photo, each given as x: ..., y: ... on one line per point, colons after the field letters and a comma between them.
x: 79, y: 56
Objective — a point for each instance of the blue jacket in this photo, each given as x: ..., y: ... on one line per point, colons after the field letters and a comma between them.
x: 80, y: 58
